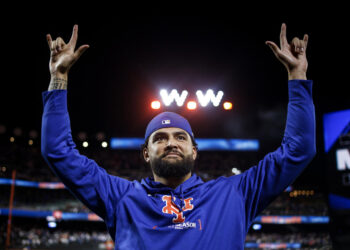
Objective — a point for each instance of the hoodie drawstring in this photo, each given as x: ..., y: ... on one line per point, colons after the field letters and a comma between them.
x: 182, y: 203
x: 182, y: 199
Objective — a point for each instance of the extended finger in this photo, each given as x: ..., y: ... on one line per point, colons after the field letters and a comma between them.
x: 274, y: 47
x: 283, y: 36
x: 278, y: 53
x: 80, y: 51
x: 74, y: 37
x: 306, y: 39
x: 49, y: 41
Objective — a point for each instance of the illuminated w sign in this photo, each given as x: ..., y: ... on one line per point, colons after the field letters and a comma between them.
x: 202, y: 99
x: 209, y: 96
x: 168, y: 99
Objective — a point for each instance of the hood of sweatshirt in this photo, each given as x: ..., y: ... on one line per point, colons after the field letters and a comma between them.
x: 153, y: 187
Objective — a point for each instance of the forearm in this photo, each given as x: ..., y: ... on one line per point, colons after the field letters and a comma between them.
x: 300, y: 126
x: 58, y: 81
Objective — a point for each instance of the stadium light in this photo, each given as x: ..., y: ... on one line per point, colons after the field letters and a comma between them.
x: 227, y: 105
x: 50, y: 218
x: 236, y: 171
x: 257, y: 226
x: 52, y: 224
x: 104, y: 144
x: 85, y: 144
x: 191, y: 105
x: 155, y: 105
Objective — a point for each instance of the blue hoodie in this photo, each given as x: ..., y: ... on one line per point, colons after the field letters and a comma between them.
x: 195, y: 215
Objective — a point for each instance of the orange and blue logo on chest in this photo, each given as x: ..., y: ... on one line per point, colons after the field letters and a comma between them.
x: 171, y: 208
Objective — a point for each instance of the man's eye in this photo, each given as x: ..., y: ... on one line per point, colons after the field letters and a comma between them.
x: 182, y: 137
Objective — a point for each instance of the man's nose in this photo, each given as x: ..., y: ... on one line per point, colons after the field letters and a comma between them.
x: 171, y: 142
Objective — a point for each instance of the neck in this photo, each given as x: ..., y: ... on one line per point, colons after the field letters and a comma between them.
x: 172, y: 182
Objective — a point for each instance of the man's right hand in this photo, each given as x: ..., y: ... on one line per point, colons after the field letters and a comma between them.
x: 63, y: 55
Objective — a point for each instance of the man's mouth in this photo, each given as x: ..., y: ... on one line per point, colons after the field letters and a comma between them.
x: 173, y: 154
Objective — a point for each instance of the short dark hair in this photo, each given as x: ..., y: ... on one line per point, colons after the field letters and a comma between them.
x: 145, y: 145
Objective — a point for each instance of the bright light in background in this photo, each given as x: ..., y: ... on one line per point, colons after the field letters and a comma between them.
x: 52, y: 224
x: 85, y: 144
x: 155, y: 105
x: 104, y: 144
x: 50, y: 218
x: 51, y: 221
x: 173, y: 96
x: 256, y: 226
x: 209, y: 96
x: 191, y: 105
x: 236, y: 171
x: 227, y: 105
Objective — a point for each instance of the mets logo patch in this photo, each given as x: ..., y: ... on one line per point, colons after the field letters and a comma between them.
x: 171, y: 208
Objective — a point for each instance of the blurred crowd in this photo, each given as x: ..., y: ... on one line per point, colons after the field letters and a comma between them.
x: 36, y: 237
x: 45, y: 237
x: 302, y: 205
x: 307, y: 240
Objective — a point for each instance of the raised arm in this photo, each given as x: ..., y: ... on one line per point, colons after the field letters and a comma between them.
x: 89, y: 182
x: 261, y: 184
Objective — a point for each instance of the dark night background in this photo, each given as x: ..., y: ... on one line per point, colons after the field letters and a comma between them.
x: 132, y: 56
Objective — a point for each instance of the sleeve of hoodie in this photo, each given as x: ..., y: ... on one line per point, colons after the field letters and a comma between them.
x: 261, y: 184
x: 90, y: 183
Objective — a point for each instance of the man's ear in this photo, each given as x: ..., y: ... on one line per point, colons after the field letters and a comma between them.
x: 145, y: 154
x: 194, y: 149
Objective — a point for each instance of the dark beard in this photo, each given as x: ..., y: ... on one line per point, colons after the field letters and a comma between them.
x: 176, y: 169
